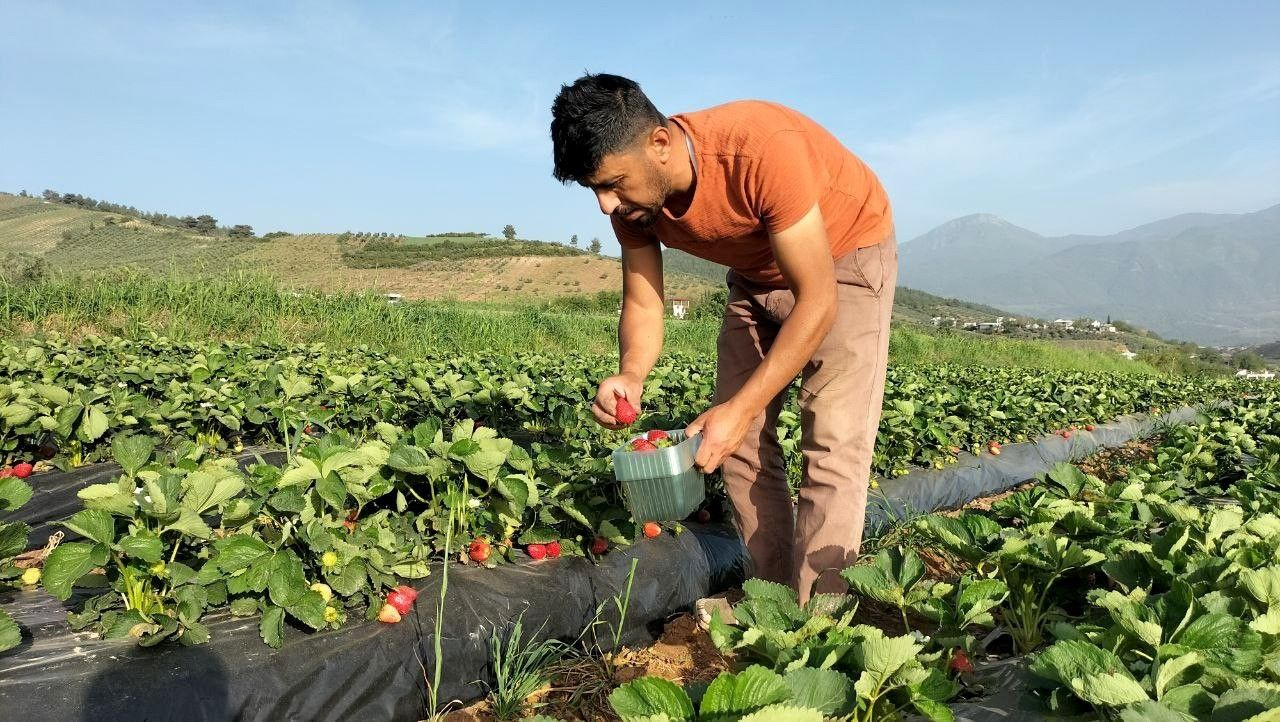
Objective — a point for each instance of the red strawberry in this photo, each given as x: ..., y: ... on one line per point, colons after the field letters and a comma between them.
x: 1066, y: 434
x: 960, y: 663
x: 388, y: 614
x: 656, y: 435
x: 625, y: 413
x: 643, y: 445
x: 599, y: 545
x: 23, y: 470
x: 1089, y: 427
x: 401, y: 601
x: 553, y: 550
x: 651, y: 529
x: 408, y: 591
x: 479, y: 551
x: 536, y: 551
x: 703, y: 516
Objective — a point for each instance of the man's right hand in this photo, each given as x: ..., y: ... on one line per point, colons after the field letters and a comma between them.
x: 625, y: 385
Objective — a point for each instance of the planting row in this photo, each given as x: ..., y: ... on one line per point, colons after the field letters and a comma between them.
x: 66, y: 401
x: 325, y: 534
x: 1154, y: 595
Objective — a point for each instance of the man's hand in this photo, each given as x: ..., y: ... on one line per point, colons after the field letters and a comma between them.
x: 723, y: 428
x: 606, y: 404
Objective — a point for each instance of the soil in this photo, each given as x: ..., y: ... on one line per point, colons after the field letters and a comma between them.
x: 683, y: 654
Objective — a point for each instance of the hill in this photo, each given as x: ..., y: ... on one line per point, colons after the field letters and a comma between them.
x: 1206, y: 277
x: 459, y: 266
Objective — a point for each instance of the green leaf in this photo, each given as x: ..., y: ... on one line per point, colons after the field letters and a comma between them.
x: 194, y: 633
x: 53, y: 394
x: 271, y: 628
x: 16, y: 414
x: 95, y: 524
x: 772, y: 591
x: 10, y: 633
x: 874, y: 582
x: 349, y: 580
x: 244, y: 607
x: 1070, y: 478
x: 822, y: 689
x: 190, y: 523
x: 239, y: 551
x: 1171, y: 669
x: 287, y: 582
x: 132, y: 452
x: 737, y: 694
x: 1072, y: 660
x: 14, y: 493
x: 649, y: 696
x: 1112, y: 689
x: 1150, y: 711
x: 192, y: 599
x: 148, y: 549
x: 13, y: 539
x: 882, y: 656
x: 1242, y: 703
x: 1263, y: 584
x: 66, y: 564
x: 309, y: 610
x: 485, y: 464
x: 93, y: 424
x: 933, y: 711
x: 784, y: 713
x: 209, y: 487
x: 1225, y: 640
x: 516, y: 490
x: 333, y: 490
x: 180, y: 574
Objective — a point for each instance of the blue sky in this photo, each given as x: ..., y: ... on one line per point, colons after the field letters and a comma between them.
x: 418, y: 117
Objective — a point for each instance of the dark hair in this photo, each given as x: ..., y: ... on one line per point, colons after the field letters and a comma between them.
x: 596, y: 116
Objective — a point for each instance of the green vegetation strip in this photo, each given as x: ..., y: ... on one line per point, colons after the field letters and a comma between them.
x: 1151, y: 596
x: 252, y: 309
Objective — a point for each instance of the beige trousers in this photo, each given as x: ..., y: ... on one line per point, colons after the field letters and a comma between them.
x: 807, y: 545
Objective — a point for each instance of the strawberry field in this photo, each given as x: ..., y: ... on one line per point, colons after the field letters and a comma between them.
x: 387, y: 466
x: 1152, y: 595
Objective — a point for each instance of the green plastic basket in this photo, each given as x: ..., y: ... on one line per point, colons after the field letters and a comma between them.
x: 662, y: 485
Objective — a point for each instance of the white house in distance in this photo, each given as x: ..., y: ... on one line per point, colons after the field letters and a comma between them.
x: 1064, y: 323
x: 679, y: 307
x: 1247, y: 374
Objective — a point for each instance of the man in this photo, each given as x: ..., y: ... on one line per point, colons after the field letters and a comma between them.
x: 806, y: 229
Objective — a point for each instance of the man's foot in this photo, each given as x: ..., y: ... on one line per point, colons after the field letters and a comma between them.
x: 722, y: 603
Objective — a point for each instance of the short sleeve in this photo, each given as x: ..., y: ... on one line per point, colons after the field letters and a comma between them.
x: 785, y: 181
x: 629, y: 237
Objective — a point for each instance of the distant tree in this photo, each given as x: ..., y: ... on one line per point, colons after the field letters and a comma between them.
x: 573, y: 240
x: 595, y: 245
x: 509, y: 232
x: 241, y: 231
x: 23, y: 194
x: 206, y: 224
x: 1248, y: 360
x: 51, y: 196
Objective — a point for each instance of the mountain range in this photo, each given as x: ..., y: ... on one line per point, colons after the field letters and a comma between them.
x: 1209, y: 278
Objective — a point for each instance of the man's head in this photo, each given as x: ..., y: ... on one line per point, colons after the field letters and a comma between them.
x: 607, y: 135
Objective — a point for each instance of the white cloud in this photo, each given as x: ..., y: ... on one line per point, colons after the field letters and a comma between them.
x: 1039, y: 151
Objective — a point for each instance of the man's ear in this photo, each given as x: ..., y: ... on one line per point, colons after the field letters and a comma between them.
x: 660, y: 142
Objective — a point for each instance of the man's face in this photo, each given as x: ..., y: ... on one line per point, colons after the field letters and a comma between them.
x: 631, y: 186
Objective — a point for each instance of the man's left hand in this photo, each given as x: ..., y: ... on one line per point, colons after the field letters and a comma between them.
x: 723, y: 428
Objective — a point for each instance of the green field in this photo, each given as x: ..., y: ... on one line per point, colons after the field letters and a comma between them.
x: 252, y: 308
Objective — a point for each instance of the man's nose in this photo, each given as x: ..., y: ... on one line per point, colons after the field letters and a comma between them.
x: 608, y: 201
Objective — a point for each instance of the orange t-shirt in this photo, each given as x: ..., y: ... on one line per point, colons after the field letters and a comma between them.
x: 760, y: 168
